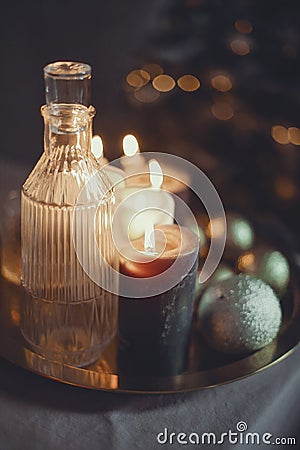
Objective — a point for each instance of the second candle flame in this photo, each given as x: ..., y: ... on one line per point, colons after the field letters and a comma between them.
x: 156, y: 174
x: 97, y: 146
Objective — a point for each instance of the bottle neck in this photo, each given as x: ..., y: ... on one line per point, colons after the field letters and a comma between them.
x: 68, y: 129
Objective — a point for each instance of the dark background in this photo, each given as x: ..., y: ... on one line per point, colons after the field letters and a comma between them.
x: 106, y: 35
x: 252, y: 172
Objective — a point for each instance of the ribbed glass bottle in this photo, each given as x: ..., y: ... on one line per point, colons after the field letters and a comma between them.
x: 67, y: 317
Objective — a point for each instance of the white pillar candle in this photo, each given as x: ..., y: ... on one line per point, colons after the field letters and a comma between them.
x: 138, y: 206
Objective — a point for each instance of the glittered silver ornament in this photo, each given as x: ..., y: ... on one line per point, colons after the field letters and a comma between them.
x: 239, y: 315
x: 269, y: 265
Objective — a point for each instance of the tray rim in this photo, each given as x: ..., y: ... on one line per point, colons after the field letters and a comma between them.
x: 118, y: 390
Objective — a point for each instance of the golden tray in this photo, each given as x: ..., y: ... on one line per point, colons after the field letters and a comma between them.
x: 205, y: 369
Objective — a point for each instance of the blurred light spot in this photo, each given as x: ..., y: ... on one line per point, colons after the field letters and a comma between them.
x: 221, y: 83
x: 138, y: 78
x: 280, y: 134
x: 269, y: 265
x: 243, y: 26
x: 146, y: 94
x: 222, y: 110
x: 222, y: 273
x: 15, y: 317
x: 285, y: 188
x: 294, y: 135
x: 97, y: 146
x: 246, y: 262
x: 130, y: 145
x: 242, y: 234
x: 163, y: 83
x: 275, y: 270
x: 188, y: 83
x: 215, y: 228
x: 240, y: 47
x: 153, y: 69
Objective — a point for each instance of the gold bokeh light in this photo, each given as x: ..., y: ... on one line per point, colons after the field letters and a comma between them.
x: 15, y: 317
x: 138, y: 78
x: 246, y: 261
x: 294, y: 135
x: 153, y: 69
x: 163, y: 83
x: 243, y: 26
x: 222, y: 110
x: 146, y: 94
x: 280, y: 134
x: 215, y: 228
x: 222, y: 83
x: 285, y: 188
x: 188, y: 83
x: 240, y: 47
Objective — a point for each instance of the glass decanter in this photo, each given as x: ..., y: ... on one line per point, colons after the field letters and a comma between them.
x: 10, y: 238
x: 67, y: 317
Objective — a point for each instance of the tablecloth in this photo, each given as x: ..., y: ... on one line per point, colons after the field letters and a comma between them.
x: 41, y: 414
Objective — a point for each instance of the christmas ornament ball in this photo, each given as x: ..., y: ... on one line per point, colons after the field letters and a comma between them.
x: 239, y: 315
x: 268, y: 264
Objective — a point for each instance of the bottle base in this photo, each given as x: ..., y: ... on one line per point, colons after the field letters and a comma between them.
x: 60, y: 348
x: 72, y: 333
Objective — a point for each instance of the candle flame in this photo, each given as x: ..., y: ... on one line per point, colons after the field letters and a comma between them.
x: 130, y: 145
x: 156, y: 174
x: 97, y: 146
x: 149, y: 241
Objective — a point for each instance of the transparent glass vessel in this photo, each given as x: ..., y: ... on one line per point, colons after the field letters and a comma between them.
x: 66, y: 316
x: 10, y: 238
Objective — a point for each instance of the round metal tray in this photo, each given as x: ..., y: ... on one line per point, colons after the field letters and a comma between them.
x: 205, y: 367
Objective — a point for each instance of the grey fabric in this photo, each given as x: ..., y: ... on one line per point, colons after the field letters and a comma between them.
x: 38, y: 414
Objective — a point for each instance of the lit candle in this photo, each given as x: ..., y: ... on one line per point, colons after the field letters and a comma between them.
x: 115, y: 175
x: 139, y: 206
x: 133, y: 162
x: 175, y: 180
x: 97, y: 150
x: 155, y: 330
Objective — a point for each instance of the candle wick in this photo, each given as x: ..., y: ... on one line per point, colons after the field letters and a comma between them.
x: 149, y: 241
